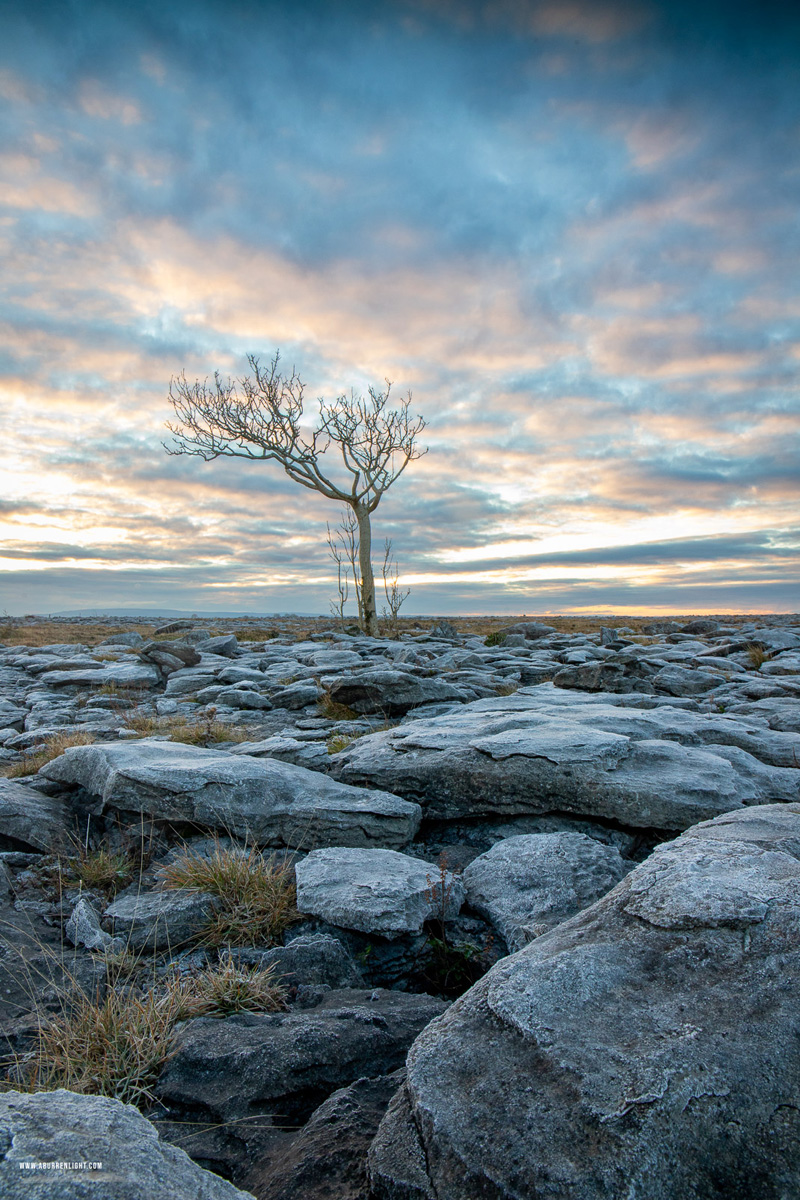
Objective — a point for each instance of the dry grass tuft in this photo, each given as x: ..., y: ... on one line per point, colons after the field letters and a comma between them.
x: 110, y: 1047
x: 55, y: 745
x: 757, y: 656
x: 201, y: 732
x: 328, y: 707
x: 226, y: 988
x: 257, y: 894
x: 102, y: 869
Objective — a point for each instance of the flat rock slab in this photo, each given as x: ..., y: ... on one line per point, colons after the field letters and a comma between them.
x: 389, y: 691
x: 647, y: 1047
x: 375, y: 891
x: 288, y: 1063
x: 526, y: 884
x: 544, y: 750
x: 126, y: 675
x: 35, y: 820
x: 61, y: 1126
x: 273, y: 803
x: 160, y: 920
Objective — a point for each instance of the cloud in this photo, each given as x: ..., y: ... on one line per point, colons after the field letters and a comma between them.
x: 570, y: 229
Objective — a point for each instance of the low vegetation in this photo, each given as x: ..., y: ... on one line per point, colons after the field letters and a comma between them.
x: 257, y: 894
x: 328, y: 707
x: 116, y: 1044
x: 54, y: 745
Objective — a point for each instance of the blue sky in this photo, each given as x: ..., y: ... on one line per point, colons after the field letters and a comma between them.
x: 570, y: 229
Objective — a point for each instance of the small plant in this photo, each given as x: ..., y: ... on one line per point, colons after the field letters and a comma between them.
x: 257, y: 894
x: 111, y: 1047
x: 508, y: 689
x: 226, y: 988
x: 496, y: 639
x: 103, y: 869
x: 757, y: 656
x: 340, y: 741
x: 330, y: 708
x: 446, y: 967
x: 55, y: 745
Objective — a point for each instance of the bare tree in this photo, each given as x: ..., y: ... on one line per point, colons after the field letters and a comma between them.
x: 258, y: 417
x: 342, y: 576
x: 395, y: 595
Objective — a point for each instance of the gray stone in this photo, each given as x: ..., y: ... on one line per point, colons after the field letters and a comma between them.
x: 184, y: 683
x: 61, y: 1126
x: 128, y: 638
x: 286, y: 1064
x: 684, y: 681
x: 389, y: 691
x: 160, y: 920
x: 241, y: 698
x: 272, y: 803
x: 375, y: 891
x: 524, y: 885
x: 328, y: 1159
x: 312, y: 958
x: 296, y: 695
x: 121, y: 674
x: 227, y: 645
x: 646, y: 1047
x: 545, y: 750
x: 83, y: 929
x: 786, y: 663
x: 28, y: 816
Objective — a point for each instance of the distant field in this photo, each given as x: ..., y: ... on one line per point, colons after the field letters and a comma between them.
x: 42, y: 631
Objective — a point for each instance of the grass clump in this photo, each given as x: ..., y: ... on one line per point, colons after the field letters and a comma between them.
x: 111, y: 1047
x: 339, y: 742
x: 105, y: 870
x: 227, y: 987
x: 757, y: 656
x: 55, y: 745
x: 257, y: 894
x: 202, y: 732
x: 495, y: 639
x: 330, y: 708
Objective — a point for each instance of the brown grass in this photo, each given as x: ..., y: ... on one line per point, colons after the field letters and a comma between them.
x: 328, y: 707
x: 257, y: 894
x: 17, y: 631
x: 55, y: 745
x: 226, y: 988
x: 193, y: 733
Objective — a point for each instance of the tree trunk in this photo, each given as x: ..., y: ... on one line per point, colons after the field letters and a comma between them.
x: 370, y: 616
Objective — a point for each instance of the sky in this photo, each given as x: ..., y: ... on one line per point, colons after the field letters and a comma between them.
x: 568, y: 227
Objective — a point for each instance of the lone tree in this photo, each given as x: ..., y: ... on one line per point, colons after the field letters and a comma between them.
x: 258, y: 417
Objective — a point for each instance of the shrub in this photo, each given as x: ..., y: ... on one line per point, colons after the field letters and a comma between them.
x: 257, y: 894
x: 495, y: 639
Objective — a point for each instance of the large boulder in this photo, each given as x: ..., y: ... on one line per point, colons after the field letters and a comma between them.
x: 30, y: 819
x: 328, y: 1159
x: 250, y: 1071
x: 389, y: 691
x: 103, y: 1148
x: 546, y: 750
x: 160, y: 920
x: 526, y: 884
x: 647, y: 1047
x: 375, y: 891
x: 273, y: 803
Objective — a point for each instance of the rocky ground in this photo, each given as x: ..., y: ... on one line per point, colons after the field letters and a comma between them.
x: 290, y: 850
